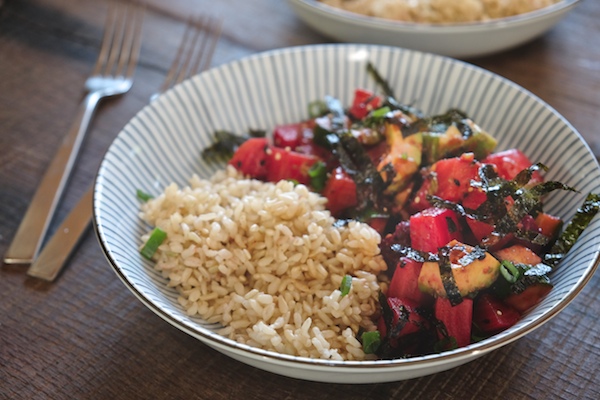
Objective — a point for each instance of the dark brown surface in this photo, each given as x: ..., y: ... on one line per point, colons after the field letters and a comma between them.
x: 87, y: 337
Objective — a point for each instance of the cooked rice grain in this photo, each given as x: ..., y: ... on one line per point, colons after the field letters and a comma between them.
x: 440, y: 11
x: 266, y: 261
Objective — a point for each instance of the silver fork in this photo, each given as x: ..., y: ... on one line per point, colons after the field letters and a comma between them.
x: 193, y: 55
x: 111, y: 76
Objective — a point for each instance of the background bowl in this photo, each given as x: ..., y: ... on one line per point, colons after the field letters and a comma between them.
x: 457, y: 40
x: 162, y: 144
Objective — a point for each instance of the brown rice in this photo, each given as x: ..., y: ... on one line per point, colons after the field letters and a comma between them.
x: 440, y: 11
x: 266, y: 261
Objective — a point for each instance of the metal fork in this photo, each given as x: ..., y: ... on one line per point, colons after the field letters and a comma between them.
x: 193, y: 55
x: 111, y: 76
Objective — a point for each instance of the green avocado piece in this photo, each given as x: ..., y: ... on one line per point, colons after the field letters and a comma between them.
x: 472, y: 270
x: 403, y: 160
x: 452, y: 143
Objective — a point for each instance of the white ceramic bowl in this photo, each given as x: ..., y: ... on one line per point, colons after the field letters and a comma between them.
x: 456, y: 40
x: 162, y: 144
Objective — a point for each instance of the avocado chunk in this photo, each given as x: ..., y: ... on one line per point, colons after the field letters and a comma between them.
x: 453, y: 142
x: 521, y: 271
x: 473, y: 269
x: 403, y: 159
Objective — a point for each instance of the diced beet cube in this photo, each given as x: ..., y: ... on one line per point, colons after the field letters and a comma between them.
x: 491, y: 315
x: 404, y: 281
x: 364, y: 101
x: 549, y: 225
x: 518, y: 254
x: 378, y: 151
x: 419, y: 201
x: 401, y: 236
x: 480, y: 229
x: 405, y: 318
x: 528, y: 298
x: 433, y: 228
x: 251, y: 158
x: 289, y: 135
x: 454, y: 176
x: 340, y: 190
x: 379, y: 222
x: 510, y: 162
x: 285, y: 164
x: 456, y: 319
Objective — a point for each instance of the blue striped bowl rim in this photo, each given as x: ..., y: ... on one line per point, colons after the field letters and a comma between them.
x: 163, y: 142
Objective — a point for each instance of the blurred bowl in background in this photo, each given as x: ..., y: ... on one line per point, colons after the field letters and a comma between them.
x: 463, y: 40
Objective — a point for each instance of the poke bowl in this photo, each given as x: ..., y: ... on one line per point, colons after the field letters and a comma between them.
x: 462, y: 40
x: 160, y: 150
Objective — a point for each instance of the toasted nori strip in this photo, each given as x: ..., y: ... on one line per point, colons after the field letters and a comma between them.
x: 391, y: 100
x: 416, y: 255
x: 354, y: 159
x: 441, y: 122
x: 447, y: 277
x: 226, y: 143
x: 573, y: 230
x: 526, y: 201
x: 357, y: 163
x: 494, y: 210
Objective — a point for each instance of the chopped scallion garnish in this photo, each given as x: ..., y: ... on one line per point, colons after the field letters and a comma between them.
x: 143, y: 196
x: 157, y: 236
x: 346, y: 285
x: 371, y: 341
x: 318, y: 175
x: 509, y: 271
x: 380, y: 112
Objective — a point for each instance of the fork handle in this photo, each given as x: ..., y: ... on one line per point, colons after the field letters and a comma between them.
x: 60, y: 246
x: 30, y: 234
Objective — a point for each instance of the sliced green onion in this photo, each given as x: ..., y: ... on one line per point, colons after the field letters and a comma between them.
x: 371, y: 341
x: 509, y: 271
x: 157, y: 236
x: 380, y: 112
x: 143, y: 196
x: 318, y: 175
x: 346, y: 285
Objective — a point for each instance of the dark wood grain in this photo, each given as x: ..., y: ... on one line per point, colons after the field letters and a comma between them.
x: 86, y: 337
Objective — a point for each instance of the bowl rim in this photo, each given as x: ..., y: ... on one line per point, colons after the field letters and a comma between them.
x: 215, y: 340
x: 441, y: 28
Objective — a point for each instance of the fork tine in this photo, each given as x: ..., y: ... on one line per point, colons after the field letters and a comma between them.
x: 184, y: 58
x: 131, y: 41
x: 107, y: 39
x: 207, y: 47
x: 122, y: 40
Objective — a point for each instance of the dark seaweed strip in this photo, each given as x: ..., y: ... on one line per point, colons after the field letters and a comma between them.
x: 385, y: 86
x: 526, y: 201
x: 388, y: 317
x: 478, y: 253
x: 415, y: 255
x: 447, y: 277
x: 573, y: 230
x: 354, y: 159
x: 357, y: 163
x: 391, y: 100
x: 441, y: 122
x: 226, y: 143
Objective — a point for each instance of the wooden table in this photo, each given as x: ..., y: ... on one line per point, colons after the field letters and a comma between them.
x: 87, y: 337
